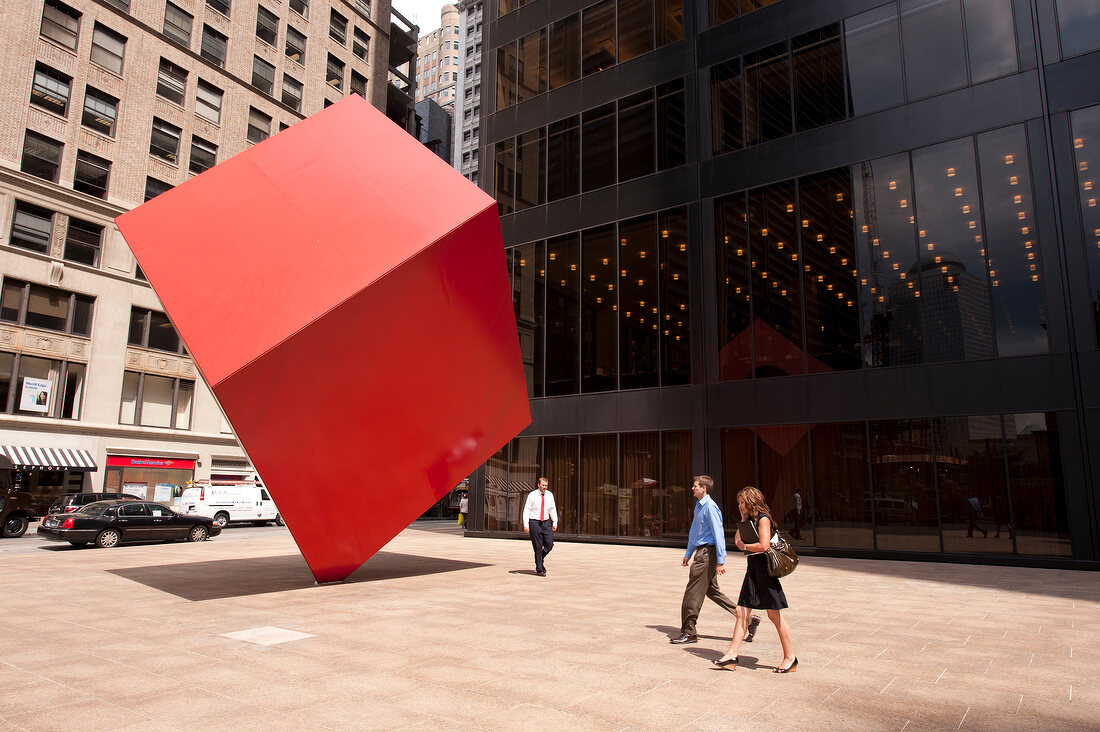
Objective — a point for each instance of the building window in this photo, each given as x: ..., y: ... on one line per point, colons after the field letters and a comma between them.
x: 267, y: 25
x: 41, y: 156
x: 292, y: 93
x: 31, y: 227
x: 301, y: 7
x: 108, y: 48
x: 338, y: 27
x: 42, y: 387
x: 259, y: 125
x: 50, y: 89
x: 334, y: 73
x: 208, y: 102
x: 152, y: 329
x: 165, y: 141
x: 100, y: 110
x: 222, y: 6
x: 83, y: 242
x: 1078, y: 26
x: 156, y: 401
x: 213, y: 47
x: 177, y: 24
x: 153, y: 188
x: 1085, y: 124
x: 360, y: 43
x: 263, y: 75
x: 92, y: 174
x: 60, y: 23
x: 204, y: 155
x: 295, y: 46
x: 171, y: 81
x: 46, y: 308
x: 358, y: 84
x: 363, y: 6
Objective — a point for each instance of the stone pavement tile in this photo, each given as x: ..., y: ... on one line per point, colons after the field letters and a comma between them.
x: 12, y: 677
x: 522, y: 716
x: 181, y: 703
x: 355, y: 714
x: 246, y: 717
x: 40, y: 696
x: 85, y: 714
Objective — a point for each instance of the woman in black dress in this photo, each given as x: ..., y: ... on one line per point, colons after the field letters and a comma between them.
x: 759, y: 591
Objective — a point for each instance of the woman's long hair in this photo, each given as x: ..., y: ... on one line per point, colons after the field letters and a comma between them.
x: 754, y: 501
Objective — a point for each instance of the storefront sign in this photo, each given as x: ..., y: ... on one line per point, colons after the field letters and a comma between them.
x: 149, y: 462
x: 36, y: 395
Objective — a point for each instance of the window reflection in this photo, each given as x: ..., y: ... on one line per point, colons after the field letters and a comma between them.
x: 599, y: 485
x: 599, y: 306
x: 531, y: 75
x: 1039, y: 514
x: 1086, y: 142
x: 639, y: 312
x: 783, y: 455
x: 636, y: 148
x: 904, y: 495
x: 932, y: 33
x: 887, y: 262
x: 874, y: 60
x: 504, y: 179
x: 530, y: 164
x: 563, y: 343
x: 639, y: 494
x: 675, y: 487
x: 818, y: 78
x: 767, y: 94
x: 829, y: 273
x: 563, y: 158
x: 990, y: 38
x: 970, y: 477
x: 598, y: 38
x: 507, y: 75
x: 671, y: 125
x: 719, y: 11
x: 1078, y: 26
x: 561, y: 471
x: 528, y: 294
x: 598, y: 140
x: 635, y: 28
x: 1012, y: 243
x: 675, y: 298
x: 776, y: 282
x: 957, y: 321
x: 725, y: 107
x: 734, y: 288
x: 565, y: 51
x: 841, y: 490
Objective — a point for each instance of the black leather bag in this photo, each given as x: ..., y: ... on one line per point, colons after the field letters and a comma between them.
x: 782, y: 558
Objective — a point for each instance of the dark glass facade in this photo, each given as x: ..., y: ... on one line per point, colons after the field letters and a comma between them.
x: 846, y: 251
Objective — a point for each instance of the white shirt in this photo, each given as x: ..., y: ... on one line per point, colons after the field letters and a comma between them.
x: 534, y: 501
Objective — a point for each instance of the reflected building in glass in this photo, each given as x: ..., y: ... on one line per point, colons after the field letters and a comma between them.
x: 847, y: 251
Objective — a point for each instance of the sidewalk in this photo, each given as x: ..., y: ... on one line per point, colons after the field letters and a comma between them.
x: 448, y: 632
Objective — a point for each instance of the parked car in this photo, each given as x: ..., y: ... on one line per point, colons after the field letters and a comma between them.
x: 16, y: 507
x: 72, y: 501
x: 109, y: 523
x: 230, y: 502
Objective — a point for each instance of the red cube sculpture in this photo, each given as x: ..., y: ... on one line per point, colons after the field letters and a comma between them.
x: 343, y: 291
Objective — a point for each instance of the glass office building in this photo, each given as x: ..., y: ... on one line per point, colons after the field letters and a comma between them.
x: 847, y: 251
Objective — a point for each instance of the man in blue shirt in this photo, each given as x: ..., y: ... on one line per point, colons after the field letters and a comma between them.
x: 706, y: 549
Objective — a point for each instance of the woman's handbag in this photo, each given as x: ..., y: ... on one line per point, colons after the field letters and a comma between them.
x: 782, y: 558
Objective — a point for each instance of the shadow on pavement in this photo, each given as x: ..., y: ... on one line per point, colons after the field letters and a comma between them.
x: 198, y: 581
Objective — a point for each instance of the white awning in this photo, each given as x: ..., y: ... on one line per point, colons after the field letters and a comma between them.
x: 51, y: 458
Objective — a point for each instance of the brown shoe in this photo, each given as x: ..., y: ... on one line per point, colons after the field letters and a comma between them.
x: 754, y: 623
x: 684, y: 638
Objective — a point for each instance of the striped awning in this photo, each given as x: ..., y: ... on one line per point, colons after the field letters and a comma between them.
x: 52, y: 458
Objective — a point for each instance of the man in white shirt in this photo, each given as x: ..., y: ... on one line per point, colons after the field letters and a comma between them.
x: 540, y: 520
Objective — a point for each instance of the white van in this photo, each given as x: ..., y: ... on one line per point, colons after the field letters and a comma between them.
x: 230, y: 502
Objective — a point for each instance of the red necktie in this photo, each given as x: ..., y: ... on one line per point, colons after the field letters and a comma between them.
x: 542, y: 508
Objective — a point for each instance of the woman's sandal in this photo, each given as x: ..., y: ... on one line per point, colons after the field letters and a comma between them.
x: 729, y: 664
x: 789, y: 670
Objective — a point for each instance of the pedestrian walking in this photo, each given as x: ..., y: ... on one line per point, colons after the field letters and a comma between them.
x: 760, y: 590
x: 540, y: 520
x: 706, y: 550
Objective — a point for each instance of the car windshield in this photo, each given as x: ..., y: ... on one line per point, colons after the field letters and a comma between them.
x: 93, y: 509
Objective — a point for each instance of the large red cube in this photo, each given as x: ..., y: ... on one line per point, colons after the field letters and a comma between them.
x: 343, y: 291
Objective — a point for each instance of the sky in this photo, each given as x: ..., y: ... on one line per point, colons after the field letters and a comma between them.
x: 425, y: 13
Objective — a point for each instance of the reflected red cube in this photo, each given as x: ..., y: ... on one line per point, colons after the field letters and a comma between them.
x: 344, y: 293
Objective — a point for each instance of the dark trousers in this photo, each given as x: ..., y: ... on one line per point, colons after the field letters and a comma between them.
x: 542, y: 539
x: 702, y: 582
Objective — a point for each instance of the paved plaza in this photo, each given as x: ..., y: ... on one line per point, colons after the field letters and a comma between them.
x: 439, y: 631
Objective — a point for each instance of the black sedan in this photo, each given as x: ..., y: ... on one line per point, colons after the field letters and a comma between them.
x: 108, y: 523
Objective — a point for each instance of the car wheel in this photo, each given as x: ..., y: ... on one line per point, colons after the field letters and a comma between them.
x: 15, y: 526
x: 198, y: 533
x: 221, y: 518
x: 79, y: 544
x: 108, y: 538
x: 279, y: 520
